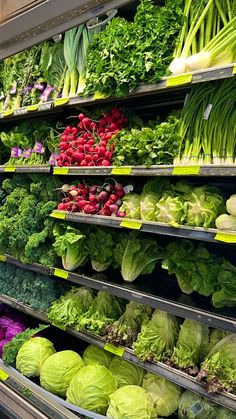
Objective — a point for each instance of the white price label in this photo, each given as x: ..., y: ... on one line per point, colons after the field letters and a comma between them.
x: 20, y: 111
x: 207, y: 111
x: 45, y: 106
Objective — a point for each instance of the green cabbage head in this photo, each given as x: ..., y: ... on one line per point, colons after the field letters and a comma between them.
x: 130, y: 402
x: 90, y: 388
x: 126, y: 373
x: 32, y: 354
x: 94, y: 355
x: 58, y: 370
x: 164, y: 394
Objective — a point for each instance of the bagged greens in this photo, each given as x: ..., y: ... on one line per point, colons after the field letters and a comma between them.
x: 64, y: 312
x: 219, y: 367
x: 130, y: 402
x: 193, y: 406
x: 192, y: 344
x: 163, y: 393
x: 136, y: 255
x: 126, y: 373
x: 94, y: 355
x: 125, y: 330
x: 58, y: 370
x: 90, y: 388
x: 157, y: 338
x: 32, y: 354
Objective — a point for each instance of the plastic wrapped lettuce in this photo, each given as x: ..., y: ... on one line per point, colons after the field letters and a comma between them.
x: 157, y: 338
x: 193, y: 406
x: 218, y: 370
x: 164, y: 394
x: 126, y: 373
x: 90, y: 388
x: 94, y: 355
x: 192, y: 344
x: 125, y: 330
x: 202, y: 206
x: 148, y: 204
x: 130, y: 402
x: 169, y: 209
x: 58, y: 370
x: 131, y: 206
x: 136, y: 255
x: 32, y: 354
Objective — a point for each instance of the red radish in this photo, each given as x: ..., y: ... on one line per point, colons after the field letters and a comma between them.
x: 93, y: 189
x: 63, y: 137
x: 74, y: 208
x: 113, y: 127
x: 109, y: 188
x: 73, y: 193
x: 121, y: 214
x: 93, y: 198
x: 81, y: 148
x: 91, y: 142
x: 90, y: 209
x: 108, y: 203
x: 108, y: 155
x: 64, y: 146
x: 68, y: 128
x: 102, y: 122
x: 118, y: 187
x: 68, y: 206
x: 103, y: 196
x: 105, y: 163
x: 120, y: 193
x: 86, y: 122
x: 83, y: 163
x: 113, y: 198
x: 91, y: 164
x: 61, y: 207
x: 81, y: 116
x: 95, y: 157
x: 113, y: 208
x: 92, y: 125
x: 98, y: 206
x: 74, y: 130
x: 88, y: 158
x: 81, y: 204
x: 101, y: 151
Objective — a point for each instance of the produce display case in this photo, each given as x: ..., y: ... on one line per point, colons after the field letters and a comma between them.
x: 19, y: 395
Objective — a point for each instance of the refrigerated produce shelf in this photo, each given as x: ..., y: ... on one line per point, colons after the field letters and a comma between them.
x: 210, y: 235
x: 147, y: 292
x: 224, y: 399
x: 170, y: 84
x: 25, y: 169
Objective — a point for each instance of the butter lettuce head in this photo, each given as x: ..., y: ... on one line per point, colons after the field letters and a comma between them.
x: 94, y: 355
x: 170, y: 210
x: 148, y: 204
x: 32, y: 354
x: 58, y: 370
x: 126, y: 373
x: 130, y: 402
x: 164, y: 394
x: 131, y: 205
x: 90, y: 388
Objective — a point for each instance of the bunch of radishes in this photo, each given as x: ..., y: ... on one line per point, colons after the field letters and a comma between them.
x: 86, y: 143
x: 101, y: 200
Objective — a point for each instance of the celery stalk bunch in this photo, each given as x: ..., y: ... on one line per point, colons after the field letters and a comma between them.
x: 208, y: 36
x: 208, y: 130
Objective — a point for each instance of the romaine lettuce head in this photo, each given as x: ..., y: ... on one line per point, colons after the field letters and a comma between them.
x: 136, y: 255
x: 100, y: 244
x: 131, y: 205
x: 126, y: 373
x: 90, y: 388
x: 216, y: 335
x: 71, y: 247
x: 170, y: 210
x: 32, y: 354
x: 203, y: 206
x: 94, y: 355
x: 219, y: 368
x: 193, y: 406
x: 164, y: 394
x: 58, y: 370
x: 157, y: 338
x: 192, y: 344
x: 157, y: 186
x: 148, y: 204
x: 130, y: 402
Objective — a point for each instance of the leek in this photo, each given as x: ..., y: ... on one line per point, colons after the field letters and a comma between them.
x: 71, y: 51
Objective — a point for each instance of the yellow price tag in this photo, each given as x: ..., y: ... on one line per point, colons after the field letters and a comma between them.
x: 61, y: 101
x: 3, y: 258
x: 234, y: 69
x: 61, y: 273
x: 58, y: 214
x: 60, y: 170
x: 135, y: 225
x: 99, y: 95
x: 186, y: 170
x: 226, y: 237
x: 114, y: 349
x: 121, y: 170
x: 9, y: 169
x: 3, y: 375
x: 8, y: 113
x: 179, y: 79
x: 31, y: 108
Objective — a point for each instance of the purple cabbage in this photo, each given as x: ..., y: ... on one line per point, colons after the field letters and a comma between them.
x: 2, y: 344
x: 14, y: 329
x: 5, y: 322
x: 2, y: 334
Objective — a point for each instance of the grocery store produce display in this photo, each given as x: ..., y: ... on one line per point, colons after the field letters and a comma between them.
x: 109, y: 234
